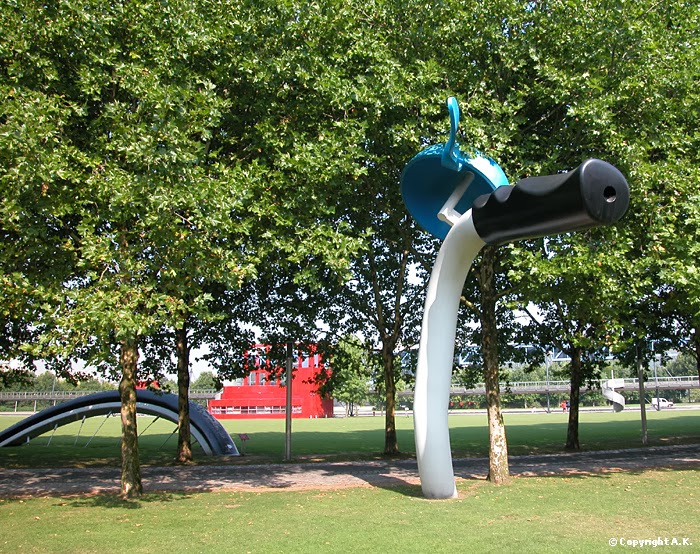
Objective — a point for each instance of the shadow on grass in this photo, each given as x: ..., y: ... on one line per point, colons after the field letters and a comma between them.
x: 549, y: 438
x: 403, y: 489
x: 97, y: 486
x: 607, y: 474
x: 365, y: 442
x: 603, y: 464
x: 115, y: 501
x: 64, y: 451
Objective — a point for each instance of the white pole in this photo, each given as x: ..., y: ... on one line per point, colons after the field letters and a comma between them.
x: 288, y: 413
x: 435, y: 358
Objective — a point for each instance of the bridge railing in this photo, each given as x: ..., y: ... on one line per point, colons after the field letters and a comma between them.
x: 517, y: 387
x: 23, y: 396
x: 44, y: 395
x: 538, y: 387
x: 629, y: 383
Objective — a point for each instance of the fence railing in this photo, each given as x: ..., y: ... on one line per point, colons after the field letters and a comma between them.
x: 542, y: 387
x: 60, y: 395
x: 518, y: 387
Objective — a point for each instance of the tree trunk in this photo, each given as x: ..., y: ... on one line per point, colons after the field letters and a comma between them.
x: 498, y: 445
x: 391, y: 443
x: 642, y: 403
x: 131, y: 471
x: 572, y: 442
x: 184, y: 447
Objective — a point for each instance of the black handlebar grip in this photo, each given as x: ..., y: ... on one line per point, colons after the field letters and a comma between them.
x: 593, y: 194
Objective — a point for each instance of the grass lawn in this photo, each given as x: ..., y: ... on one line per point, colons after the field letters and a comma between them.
x: 538, y: 514
x: 548, y: 514
x: 527, y: 433
x: 349, y: 438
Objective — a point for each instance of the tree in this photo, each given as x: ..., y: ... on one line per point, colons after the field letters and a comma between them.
x: 575, y: 291
x: 98, y: 169
x: 489, y: 296
x: 121, y: 145
x: 613, y: 100
x: 680, y: 366
x: 352, y: 369
x: 333, y: 104
x: 163, y: 164
x: 206, y: 381
x: 545, y: 87
x: 11, y: 378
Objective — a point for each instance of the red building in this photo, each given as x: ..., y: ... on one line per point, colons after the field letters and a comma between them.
x: 259, y: 396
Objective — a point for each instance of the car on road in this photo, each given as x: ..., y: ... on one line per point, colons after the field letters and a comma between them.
x: 659, y: 403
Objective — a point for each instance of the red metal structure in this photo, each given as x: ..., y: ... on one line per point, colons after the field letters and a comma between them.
x: 258, y: 396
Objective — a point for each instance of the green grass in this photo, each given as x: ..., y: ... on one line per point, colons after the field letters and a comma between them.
x: 538, y: 514
x: 549, y: 514
x: 527, y: 433
x: 349, y: 438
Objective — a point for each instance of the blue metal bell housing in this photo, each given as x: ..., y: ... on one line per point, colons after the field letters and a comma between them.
x: 441, y: 183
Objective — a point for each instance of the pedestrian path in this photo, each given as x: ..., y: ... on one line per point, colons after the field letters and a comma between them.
x: 326, y: 475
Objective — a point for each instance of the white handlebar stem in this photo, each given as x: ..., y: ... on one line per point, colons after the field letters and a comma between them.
x: 436, y: 355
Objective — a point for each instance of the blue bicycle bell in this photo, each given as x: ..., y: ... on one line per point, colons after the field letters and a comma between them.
x: 440, y: 183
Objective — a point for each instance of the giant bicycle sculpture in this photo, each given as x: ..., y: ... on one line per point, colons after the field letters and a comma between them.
x: 206, y: 430
x: 465, y: 201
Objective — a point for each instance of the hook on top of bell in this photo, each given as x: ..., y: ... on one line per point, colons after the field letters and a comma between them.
x: 440, y: 183
x: 451, y: 156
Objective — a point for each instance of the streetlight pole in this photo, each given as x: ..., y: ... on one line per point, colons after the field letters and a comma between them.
x: 546, y: 367
x: 53, y: 387
x: 288, y: 413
